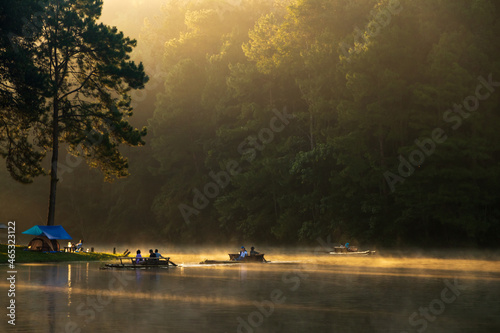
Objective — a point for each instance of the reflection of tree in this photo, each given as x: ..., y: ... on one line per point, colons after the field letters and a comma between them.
x: 51, y: 308
x: 53, y: 276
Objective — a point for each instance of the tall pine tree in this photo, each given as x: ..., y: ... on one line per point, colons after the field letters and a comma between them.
x: 85, y: 99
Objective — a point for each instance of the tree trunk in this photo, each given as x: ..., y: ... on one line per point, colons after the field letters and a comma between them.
x: 53, y: 165
x: 311, y: 129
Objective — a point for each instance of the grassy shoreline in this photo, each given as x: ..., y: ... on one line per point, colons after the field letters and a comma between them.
x: 23, y: 256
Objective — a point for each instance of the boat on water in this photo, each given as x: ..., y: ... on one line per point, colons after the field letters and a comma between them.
x: 351, y: 251
x: 148, y: 262
x: 256, y: 258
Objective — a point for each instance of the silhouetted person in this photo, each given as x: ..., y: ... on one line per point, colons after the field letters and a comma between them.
x: 138, y: 257
x: 253, y: 252
x: 157, y: 254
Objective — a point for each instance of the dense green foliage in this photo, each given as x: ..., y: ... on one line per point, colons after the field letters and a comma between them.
x: 285, y: 121
x: 76, y: 76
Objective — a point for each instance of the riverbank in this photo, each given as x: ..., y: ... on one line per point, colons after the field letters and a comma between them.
x: 24, y: 256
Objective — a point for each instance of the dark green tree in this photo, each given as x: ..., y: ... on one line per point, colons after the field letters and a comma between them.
x: 21, y: 91
x: 194, y: 104
x: 85, y: 103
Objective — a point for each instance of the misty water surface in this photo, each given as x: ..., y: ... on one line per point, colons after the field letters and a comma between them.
x: 293, y: 293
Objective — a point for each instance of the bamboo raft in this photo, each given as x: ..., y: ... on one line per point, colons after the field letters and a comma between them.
x: 148, y: 262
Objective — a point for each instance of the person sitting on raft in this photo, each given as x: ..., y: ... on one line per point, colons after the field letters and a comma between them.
x: 157, y: 254
x: 243, y: 253
x: 348, y: 248
x: 138, y: 257
x: 253, y: 252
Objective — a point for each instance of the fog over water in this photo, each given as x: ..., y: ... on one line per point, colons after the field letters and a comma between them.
x: 295, y: 292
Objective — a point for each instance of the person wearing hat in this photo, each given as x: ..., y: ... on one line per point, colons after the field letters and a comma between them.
x: 243, y: 253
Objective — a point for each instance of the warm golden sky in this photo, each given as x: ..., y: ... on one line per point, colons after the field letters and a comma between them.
x: 128, y: 15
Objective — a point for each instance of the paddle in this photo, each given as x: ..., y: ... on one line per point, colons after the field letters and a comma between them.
x: 173, y: 263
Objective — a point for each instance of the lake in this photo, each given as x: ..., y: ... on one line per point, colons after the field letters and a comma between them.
x: 294, y: 293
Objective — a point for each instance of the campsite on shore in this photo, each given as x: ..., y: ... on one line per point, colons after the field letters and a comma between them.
x: 24, y: 256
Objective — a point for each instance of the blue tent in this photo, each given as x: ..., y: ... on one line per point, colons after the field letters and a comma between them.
x: 51, y: 232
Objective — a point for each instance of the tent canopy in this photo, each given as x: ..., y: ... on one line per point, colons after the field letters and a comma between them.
x: 51, y: 232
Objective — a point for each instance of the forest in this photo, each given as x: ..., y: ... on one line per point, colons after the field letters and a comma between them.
x: 284, y: 121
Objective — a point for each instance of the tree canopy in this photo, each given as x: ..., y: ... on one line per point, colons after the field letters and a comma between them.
x: 368, y: 82
x: 73, y: 85
x: 284, y: 121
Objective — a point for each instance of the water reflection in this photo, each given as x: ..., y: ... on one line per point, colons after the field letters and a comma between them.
x: 313, y: 294
x: 243, y: 272
x: 69, y: 286
x: 52, y: 277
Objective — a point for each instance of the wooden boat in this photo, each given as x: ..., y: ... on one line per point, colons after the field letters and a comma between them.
x: 254, y: 258
x: 148, y: 262
x: 232, y: 259
x: 352, y: 251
